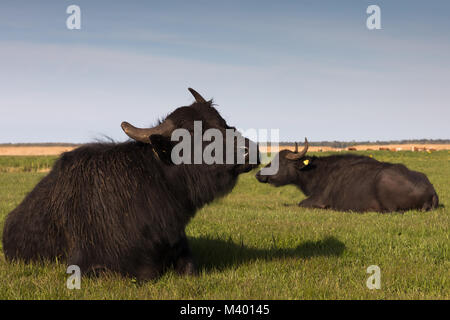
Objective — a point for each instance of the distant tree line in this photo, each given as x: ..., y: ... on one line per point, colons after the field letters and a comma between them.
x: 345, y: 144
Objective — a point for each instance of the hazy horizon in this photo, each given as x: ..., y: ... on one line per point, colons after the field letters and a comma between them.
x: 107, y: 140
x: 308, y: 68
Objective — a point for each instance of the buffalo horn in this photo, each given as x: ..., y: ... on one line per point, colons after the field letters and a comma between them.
x: 143, y: 135
x: 196, y: 95
x: 295, y: 155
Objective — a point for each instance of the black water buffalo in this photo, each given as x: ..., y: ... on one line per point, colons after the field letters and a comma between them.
x: 123, y: 206
x: 352, y: 183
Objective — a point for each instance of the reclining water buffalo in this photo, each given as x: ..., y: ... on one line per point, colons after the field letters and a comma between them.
x: 352, y: 182
x: 123, y: 206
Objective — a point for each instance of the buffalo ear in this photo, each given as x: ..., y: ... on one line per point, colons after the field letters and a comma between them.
x: 162, y: 146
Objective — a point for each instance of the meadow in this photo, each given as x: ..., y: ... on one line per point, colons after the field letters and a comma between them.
x: 256, y: 243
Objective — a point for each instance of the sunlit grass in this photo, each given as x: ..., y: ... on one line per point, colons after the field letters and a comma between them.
x: 257, y: 244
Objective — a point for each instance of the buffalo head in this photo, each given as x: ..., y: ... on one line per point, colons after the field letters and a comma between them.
x: 204, y: 115
x: 290, y: 164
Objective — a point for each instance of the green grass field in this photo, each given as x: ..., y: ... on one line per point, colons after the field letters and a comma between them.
x: 257, y: 244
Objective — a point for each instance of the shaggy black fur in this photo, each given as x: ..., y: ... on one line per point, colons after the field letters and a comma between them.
x: 120, y: 206
x: 354, y: 183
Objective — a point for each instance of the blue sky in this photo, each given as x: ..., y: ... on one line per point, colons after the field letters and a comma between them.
x: 309, y: 68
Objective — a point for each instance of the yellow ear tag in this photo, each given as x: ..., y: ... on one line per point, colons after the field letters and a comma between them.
x: 306, y: 162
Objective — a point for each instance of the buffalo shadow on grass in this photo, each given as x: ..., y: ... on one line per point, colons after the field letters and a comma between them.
x: 220, y: 254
